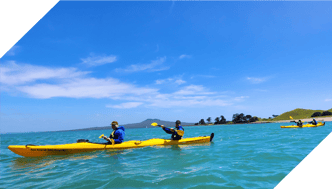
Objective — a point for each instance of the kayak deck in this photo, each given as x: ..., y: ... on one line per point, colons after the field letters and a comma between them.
x: 306, y: 125
x: 64, y: 149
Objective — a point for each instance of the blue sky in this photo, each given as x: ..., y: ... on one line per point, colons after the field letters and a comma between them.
x: 86, y: 64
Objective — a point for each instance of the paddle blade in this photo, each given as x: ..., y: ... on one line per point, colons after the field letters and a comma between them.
x: 154, y: 124
x: 101, y: 136
x: 291, y: 117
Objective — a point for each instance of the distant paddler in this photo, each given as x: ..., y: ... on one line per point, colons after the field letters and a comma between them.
x: 299, y: 123
x: 314, y: 122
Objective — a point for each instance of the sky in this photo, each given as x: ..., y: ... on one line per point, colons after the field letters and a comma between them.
x: 86, y: 64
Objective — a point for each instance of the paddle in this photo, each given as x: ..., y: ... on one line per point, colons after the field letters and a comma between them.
x: 111, y: 140
x: 179, y: 132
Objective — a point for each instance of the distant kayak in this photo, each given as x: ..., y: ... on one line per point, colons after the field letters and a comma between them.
x: 306, y: 125
x: 85, y: 146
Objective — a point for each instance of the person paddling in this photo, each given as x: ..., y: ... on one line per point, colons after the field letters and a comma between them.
x: 314, y: 122
x: 118, y: 134
x: 177, y: 133
x: 299, y: 123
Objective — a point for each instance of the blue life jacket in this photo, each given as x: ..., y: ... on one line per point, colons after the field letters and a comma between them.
x: 175, y: 136
x: 314, y: 122
x: 118, y: 135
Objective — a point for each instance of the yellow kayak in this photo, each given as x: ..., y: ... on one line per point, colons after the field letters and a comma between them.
x: 79, y: 147
x: 306, y: 125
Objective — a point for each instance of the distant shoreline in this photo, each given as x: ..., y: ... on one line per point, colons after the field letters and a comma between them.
x: 319, y: 119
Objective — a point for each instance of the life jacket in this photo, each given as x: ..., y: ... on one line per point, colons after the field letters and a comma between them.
x: 113, y: 136
x: 175, y: 136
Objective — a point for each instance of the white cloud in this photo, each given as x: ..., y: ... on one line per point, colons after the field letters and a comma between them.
x: 241, y: 98
x: 85, y: 88
x: 94, y: 60
x: 256, y: 80
x: 184, y: 56
x: 205, y: 76
x: 155, y: 65
x: 34, y: 81
x: 170, y: 80
x: 126, y: 105
x: 15, y: 74
x: 179, y: 81
x: 328, y: 100
x: 189, y: 102
x: 193, y: 90
x: 13, y: 50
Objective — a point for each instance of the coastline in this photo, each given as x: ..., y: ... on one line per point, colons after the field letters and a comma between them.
x: 321, y: 119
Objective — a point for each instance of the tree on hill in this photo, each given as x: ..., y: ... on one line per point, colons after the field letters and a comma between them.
x: 202, y: 122
x: 316, y: 114
x: 253, y: 119
x: 217, y: 121
x: 222, y: 119
x: 326, y: 113
x: 208, y: 119
x: 275, y: 116
x: 239, y: 118
x: 248, y: 118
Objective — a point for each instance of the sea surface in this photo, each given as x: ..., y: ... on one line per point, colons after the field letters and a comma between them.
x: 240, y: 156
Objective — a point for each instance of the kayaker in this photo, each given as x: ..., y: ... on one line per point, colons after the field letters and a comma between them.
x: 117, y: 135
x: 314, y: 122
x: 299, y: 123
x: 174, y: 132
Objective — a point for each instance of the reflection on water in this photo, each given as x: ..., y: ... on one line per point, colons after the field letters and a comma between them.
x: 40, y: 162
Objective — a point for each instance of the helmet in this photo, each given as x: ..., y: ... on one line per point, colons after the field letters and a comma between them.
x: 115, y: 123
x: 178, y: 122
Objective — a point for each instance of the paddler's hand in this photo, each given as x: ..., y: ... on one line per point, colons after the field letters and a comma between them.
x: 162, y: 126
x: 172, y: 130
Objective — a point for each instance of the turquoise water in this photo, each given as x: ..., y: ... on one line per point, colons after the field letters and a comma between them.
x: 241, y: 156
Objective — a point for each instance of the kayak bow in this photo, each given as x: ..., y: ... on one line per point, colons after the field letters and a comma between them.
x: 79, y: 147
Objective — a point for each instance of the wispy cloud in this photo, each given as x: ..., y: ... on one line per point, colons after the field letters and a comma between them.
x: 204, y: 76
x: 34, y: 81
x: 256, y: 80
x: 126, y: 105
x: 13, y: 50
x: 184, y: 56
x: 175, y: 80
x: 94, y: 60
x: 16, y: 74
x: 155, y: 65
x: 193, y: 89
x: 85, y: 88
x: 328, y: 99
x: 240, y: 98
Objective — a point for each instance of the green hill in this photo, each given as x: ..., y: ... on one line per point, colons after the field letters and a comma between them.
x: 298, y: 114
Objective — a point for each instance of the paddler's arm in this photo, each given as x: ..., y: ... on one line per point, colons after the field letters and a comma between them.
x: 167, y: 130
x: 108, y: 139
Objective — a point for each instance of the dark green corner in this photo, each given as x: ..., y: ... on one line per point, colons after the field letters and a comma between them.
x: 17, y: 17
x: 315, y: 171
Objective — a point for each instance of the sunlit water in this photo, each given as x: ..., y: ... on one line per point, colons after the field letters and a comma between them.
x: 241, y: 156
